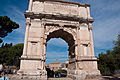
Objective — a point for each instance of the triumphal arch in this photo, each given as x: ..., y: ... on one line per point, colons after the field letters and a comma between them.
x: 71, y: 21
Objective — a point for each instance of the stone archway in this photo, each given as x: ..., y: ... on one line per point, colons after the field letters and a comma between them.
x: 70, y: 21
x: 65, y: 36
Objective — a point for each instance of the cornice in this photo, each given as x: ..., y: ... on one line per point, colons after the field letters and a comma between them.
x: 34, y: 15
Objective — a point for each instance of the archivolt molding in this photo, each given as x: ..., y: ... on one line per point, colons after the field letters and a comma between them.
x: 71, y: 31
x: 50, y: 29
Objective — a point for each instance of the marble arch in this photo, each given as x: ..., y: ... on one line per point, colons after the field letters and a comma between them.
x: 53, y: 28
x: 71, y: 21
x: 65, y: 36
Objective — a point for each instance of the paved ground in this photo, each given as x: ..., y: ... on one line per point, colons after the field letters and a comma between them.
x: 59, y: 79
x: 111, y: 78
x: 105, y: 78
x: 68, y: 79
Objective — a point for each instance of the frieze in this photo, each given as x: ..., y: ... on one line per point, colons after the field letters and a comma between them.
x: 58, y: 17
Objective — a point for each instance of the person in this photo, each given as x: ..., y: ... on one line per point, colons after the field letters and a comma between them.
x: 59, y: 75
x: 2, y: 77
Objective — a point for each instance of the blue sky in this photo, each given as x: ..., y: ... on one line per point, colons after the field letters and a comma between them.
x: 105, y: 28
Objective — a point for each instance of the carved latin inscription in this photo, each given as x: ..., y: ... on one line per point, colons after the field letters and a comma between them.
x: 60, y: 8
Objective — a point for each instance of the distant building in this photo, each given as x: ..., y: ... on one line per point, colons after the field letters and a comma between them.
x: 58, y: 65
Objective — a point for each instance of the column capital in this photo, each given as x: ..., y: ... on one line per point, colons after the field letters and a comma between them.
x: 28, y: 21
x: 90, y: 26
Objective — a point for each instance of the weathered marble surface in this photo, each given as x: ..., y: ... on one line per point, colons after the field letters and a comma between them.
x: 71, y: 21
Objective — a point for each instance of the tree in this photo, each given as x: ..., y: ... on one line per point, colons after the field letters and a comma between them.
x: 109, y: 63
x: 117, y: 43
x: 6, y: 26
x: 9, y: 54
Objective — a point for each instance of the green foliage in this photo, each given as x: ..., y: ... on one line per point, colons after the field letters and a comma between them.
x: 117, y: 43
x: 9, y: 54
x: 109, y: 63
x: 6, y: 26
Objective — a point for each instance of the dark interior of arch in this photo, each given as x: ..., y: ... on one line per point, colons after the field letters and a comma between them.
x: 65, y: 36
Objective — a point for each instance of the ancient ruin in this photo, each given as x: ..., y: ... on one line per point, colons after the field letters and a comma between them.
x: 71, y: 21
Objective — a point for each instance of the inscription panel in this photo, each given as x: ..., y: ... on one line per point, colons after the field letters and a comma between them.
x: 60, y: 8
x: 55, y: 7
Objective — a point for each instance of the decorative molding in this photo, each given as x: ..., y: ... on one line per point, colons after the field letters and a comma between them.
x: 33, y: 15
x: 28, y: 21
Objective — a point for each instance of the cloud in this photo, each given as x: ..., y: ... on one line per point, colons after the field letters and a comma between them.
x: 106, y: 26
x: 18, y: 16
x: 17, y: 36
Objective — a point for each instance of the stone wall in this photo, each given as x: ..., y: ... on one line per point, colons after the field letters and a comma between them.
x: 60, y: 8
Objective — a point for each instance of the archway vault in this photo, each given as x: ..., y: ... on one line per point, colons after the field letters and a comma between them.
x: 71, y: 32
x: 68, y: 37
x: 62, y: 34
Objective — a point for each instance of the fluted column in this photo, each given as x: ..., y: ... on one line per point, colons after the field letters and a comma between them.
x: 28, y: 23
x: 80, y: 46
x: 44, y: 53
x: 43, y: 44
x: 91, y: 40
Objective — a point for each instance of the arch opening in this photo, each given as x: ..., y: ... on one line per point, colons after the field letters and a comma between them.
x: 69, y: 40
x: 65, y: 36
x: 56, y: 48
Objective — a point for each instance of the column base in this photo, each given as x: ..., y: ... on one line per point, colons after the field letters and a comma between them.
x: 84, y: 75
x: 32, y: 74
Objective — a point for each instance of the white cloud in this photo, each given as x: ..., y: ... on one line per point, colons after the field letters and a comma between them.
x: 17, y: 36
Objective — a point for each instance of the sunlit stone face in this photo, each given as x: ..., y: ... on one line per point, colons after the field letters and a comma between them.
x: 69, y: 21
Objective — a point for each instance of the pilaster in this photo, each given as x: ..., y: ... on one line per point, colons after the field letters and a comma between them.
x: 28, y: 23
x: 91, y: 40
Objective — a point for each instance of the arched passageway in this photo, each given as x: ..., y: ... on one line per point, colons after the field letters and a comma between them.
x: 53, y: 67
x: 56, y: 48
x: 65, y: 36
x: 57, y: 56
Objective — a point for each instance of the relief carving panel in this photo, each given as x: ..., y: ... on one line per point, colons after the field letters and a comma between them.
x: 50, y: 29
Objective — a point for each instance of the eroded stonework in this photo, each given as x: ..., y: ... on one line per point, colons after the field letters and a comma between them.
x: 71, y: 21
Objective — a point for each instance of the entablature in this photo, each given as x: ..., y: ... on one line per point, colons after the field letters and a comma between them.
x: 76, y: 18
x: 61, y: 23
